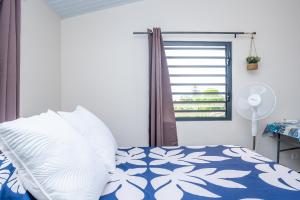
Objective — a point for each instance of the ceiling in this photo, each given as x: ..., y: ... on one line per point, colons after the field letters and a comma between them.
x: 70, y: 8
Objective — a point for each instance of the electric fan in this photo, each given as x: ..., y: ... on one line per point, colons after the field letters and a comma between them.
x: 255, y: 102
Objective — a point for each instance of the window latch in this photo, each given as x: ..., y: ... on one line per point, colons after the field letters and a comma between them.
x: 228, y: 98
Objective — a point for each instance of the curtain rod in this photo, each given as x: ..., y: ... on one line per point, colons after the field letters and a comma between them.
x: 197, y: 32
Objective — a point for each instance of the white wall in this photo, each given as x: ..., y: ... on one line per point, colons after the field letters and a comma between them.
x: 40, y: 58
x: 105, y: 67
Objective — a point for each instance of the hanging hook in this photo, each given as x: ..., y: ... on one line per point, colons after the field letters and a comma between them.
x: 252, y: 46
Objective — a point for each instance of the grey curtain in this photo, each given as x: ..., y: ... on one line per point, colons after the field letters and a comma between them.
x: 10, y: 11
x: 162, y: 124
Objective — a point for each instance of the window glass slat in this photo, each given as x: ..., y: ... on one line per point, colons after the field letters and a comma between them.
x: 201, y: 115
x: 202, y: 107
x: 194, y: 70
x: 198, y: 88
x: 199, y: 80
x: 196, y: 61
x: 198, y: 97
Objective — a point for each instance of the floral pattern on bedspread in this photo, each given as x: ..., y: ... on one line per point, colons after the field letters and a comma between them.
x: 202, y: 172
x: 10, y: 186
x: 193, y: 172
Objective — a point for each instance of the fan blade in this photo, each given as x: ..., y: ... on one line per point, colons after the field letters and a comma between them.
x: 258, y: 89
x: 243, y: 104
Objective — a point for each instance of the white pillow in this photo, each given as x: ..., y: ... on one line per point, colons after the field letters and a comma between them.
x: 53, y: 160
x: 97, y: 133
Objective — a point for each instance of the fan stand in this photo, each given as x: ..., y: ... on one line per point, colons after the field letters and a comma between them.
x: 254, y: 127
x: 254, y: 142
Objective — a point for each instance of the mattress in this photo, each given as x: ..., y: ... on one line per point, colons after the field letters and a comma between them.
x: 184, y: 172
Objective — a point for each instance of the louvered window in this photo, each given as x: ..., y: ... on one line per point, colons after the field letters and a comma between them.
x: 200, y: 74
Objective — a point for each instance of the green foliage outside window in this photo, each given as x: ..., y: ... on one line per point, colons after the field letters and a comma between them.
x: 202, y: 97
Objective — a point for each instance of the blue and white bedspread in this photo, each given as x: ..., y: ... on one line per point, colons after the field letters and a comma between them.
x: 10, y: 186
x: 190, y: 172
x: 203, y: 172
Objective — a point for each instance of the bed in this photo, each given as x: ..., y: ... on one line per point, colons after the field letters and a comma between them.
x: 184, y: 172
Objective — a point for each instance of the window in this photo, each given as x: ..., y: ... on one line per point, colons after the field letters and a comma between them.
x: 200, y: 75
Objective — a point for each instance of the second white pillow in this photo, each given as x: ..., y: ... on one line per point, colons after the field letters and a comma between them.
x: 97, y: 133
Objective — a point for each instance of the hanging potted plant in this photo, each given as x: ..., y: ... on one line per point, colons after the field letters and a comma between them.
x: 252, y: 62
x: 252, y: 59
